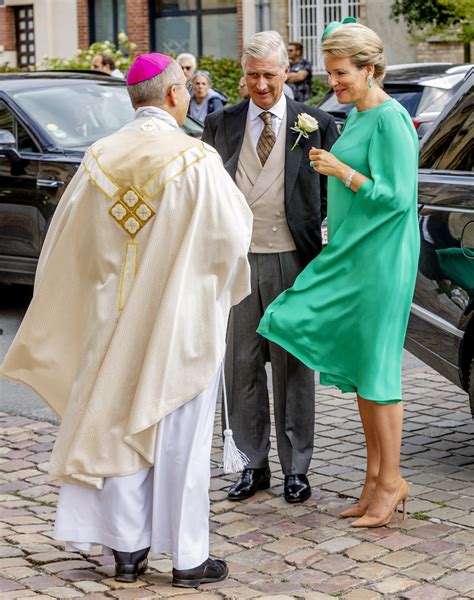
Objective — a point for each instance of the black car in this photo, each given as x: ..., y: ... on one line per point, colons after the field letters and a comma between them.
x: 424, y: 90
x: 441, y: 327
x: 47, y: 120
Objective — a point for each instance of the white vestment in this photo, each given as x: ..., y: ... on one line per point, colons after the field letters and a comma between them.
x: 165, y: 507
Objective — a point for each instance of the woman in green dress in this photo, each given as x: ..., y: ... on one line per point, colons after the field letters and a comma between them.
x: 347, y: 312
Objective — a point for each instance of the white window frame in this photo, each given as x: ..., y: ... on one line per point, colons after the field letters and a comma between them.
x: 308, y: 19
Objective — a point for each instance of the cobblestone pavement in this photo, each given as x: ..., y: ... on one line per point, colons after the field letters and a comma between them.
x: 277, y: 550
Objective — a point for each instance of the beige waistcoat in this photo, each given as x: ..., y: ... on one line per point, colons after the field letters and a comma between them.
x: 264, y: 189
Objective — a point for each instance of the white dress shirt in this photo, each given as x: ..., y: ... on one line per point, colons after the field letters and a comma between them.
x: 256, y: 124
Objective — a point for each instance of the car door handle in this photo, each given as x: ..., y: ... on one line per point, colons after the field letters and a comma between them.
x: 49, y: 183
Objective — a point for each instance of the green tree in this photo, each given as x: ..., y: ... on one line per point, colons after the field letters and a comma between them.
x: 437, y: 16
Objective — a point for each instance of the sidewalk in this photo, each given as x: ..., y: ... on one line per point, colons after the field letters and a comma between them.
x: 274, y: 549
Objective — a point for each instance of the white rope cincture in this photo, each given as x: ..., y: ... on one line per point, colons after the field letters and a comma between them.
x: 234, y: 460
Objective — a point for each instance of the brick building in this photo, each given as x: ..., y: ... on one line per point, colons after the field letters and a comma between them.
x: 30, y: 29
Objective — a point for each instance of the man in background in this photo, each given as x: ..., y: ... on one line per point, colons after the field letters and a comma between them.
x: 299, y: 77
x: 105, y: 63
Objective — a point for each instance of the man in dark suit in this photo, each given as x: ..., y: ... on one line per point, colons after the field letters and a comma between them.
x: 288, y: 199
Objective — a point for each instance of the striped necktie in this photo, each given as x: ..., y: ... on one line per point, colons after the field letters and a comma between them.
x: 266, y: 141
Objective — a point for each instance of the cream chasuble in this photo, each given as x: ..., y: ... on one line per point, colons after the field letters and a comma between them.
x: 145, y: 255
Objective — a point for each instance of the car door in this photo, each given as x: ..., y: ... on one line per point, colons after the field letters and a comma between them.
x: 444, y: 295
x: 20, y: 219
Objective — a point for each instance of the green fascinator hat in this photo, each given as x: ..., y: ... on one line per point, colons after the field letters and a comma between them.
x: 335, y: 24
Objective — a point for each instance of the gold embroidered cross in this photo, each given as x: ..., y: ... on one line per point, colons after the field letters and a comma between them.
x: 131, y: 211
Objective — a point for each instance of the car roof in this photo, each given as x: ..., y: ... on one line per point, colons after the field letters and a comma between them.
x: 24, y: 80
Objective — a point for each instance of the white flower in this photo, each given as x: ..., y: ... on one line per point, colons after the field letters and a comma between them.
x: 304, y: 125
x: 307, y: 123
x: 130, y: 198
x: 132, y: 225
x: 118, y: 211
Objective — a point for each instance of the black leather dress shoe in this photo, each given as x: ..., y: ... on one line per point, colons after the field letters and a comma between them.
x: 297, y: 488
x: 211, y: 571
x: 128, y: 565
x: 250, y: 481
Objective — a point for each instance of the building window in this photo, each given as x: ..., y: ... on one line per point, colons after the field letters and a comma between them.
x: 107, y: 18
x: 308, y: 19
x: 196, y: 26
x: 25, y: 36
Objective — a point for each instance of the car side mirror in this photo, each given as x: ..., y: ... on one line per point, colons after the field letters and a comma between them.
x: 8, y: 145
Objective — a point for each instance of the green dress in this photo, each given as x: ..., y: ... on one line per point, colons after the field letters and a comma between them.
x: 347, y: 312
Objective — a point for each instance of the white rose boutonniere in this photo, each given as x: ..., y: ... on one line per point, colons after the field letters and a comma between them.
x: 304, y: 125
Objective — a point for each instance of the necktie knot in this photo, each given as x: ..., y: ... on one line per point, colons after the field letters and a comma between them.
x: 266, y: 117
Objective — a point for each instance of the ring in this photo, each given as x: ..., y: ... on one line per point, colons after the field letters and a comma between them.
x: 312, y: 164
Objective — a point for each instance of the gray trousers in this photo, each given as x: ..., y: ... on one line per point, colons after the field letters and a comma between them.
x: 246, y: 378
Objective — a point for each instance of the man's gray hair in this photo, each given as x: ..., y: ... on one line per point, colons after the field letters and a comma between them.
x: 154, y: 90
x: 186, y: 56
x: 264, y: 44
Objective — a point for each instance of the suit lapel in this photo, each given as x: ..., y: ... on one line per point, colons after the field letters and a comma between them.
x: 292, y: 157
x: 234, y: 123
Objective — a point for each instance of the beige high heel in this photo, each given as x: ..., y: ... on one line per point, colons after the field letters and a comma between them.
x: 401, y: 496
x: 356, y: 510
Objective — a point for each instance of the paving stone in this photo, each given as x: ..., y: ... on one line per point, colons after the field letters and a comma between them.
x: 339, y: 544
x: 372, y: 571
x: 398, y: 541
x: 7, y: 585
x: 338, y: 583
x: 428, y: 592
x: 436, y: 547
x: 394, y: 584
x: 426, y: 571
x: 362, y: 594
x: 335, y: 564
x: 40, y: 582
x: 66, y: 565
x: 287, y: 545
x: 460, y: 582
x: 402, y: 559
x: 63, y: 592
x: 365, y: 551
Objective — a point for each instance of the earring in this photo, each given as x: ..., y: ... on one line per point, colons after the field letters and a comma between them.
x: 370, y: 81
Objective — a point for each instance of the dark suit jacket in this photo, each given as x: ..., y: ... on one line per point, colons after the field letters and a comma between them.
x: 305, y: 189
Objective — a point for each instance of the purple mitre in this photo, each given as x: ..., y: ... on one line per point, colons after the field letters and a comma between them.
x: 146, y: 66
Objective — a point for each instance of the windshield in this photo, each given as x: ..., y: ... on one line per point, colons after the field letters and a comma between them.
x: 75, y: 116
x: 408, y: 99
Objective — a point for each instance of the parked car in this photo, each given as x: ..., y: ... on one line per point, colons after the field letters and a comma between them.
x: 441, y: 326
x: 423, y: 89
x: 47, y: 120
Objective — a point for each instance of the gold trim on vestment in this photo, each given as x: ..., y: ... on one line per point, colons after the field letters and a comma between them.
x: 98, y: 177
x: 129, y: 270
x: 149, y: 183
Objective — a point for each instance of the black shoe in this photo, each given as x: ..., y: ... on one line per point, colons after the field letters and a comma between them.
x: 297, y: 488
x: 250, y: 481
x: 128, y: 565
x: 211, y: 571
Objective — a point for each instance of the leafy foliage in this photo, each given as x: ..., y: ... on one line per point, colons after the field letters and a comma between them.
x: 225, y: 75
x: 319, y: 89
x: 437, y: 15
x: 123, y: 56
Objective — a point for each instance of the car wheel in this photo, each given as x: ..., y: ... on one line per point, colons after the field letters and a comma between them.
x: 470, y: 387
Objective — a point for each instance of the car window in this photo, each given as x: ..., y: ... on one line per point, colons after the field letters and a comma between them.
x: 409, y: 100
x: 75, y: 116
x: 24, y: 142
x: 451, y: 145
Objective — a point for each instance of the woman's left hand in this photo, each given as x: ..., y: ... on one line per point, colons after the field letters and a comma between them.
x: 326, y: 163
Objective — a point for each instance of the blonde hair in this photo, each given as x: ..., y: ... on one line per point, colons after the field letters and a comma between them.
x: 262, y: 45
x: 359, y: 43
